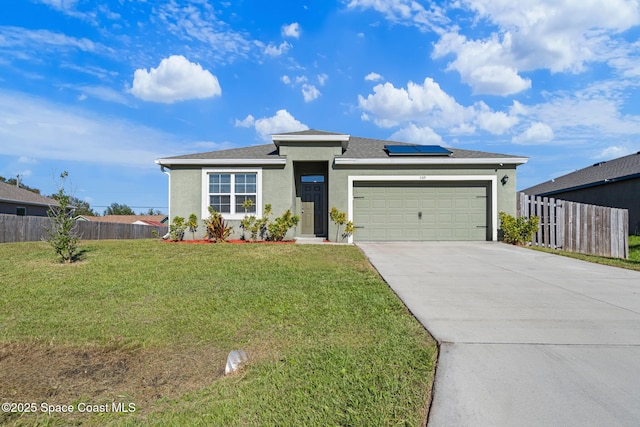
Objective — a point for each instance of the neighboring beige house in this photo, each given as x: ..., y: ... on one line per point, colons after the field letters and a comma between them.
x: 18, y: 201
x: 390, y: 190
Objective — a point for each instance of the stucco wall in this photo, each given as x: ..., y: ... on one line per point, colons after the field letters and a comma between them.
x: 278, y: 187
x: 186, y: 193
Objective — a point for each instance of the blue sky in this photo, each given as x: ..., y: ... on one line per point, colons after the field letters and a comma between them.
x: 103, y: 88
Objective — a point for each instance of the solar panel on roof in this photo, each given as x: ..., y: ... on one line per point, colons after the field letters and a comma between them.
x: 416, y: 150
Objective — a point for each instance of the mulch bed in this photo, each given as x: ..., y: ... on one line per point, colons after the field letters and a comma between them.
x: 257, y: 242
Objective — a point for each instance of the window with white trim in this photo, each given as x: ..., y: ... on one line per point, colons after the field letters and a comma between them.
x: 228, y: 191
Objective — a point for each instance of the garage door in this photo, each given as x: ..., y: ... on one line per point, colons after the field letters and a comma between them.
x: 387, y: 211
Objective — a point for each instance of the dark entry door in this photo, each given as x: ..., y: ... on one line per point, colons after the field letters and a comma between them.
x: 312, y: 208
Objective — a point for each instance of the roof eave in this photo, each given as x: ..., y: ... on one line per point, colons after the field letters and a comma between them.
x: 224, y: 162
x: 589, y: 185
x: 413, y: 160
x: 22, y: 202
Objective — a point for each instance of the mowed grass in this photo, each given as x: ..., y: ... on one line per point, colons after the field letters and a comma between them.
x: 632, y: 263
x: 328, y: 341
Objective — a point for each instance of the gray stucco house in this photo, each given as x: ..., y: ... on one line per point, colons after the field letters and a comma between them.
x: 18, y: 201
x: 390, y: 190
x: 614, y: 183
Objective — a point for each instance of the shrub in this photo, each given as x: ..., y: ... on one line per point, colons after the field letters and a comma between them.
x: 256, y: 227
x: 192, y: 224
x: 217, y: 229
x: 280, y: 225
x: 62, y: 234
x: 177, y: 228
x: 518, y: 231
x: 340, y: 219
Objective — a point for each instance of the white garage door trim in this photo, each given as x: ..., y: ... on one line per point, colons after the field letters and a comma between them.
x: 431, y: 178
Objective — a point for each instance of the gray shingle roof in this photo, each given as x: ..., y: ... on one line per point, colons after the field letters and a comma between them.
x: 11, y: 193
x: 600, y: 173
x: 359, y: 148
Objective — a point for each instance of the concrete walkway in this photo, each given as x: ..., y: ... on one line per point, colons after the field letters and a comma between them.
x: 526, y: 338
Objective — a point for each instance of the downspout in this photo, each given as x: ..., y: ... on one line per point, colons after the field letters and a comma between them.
x: 166, y: 171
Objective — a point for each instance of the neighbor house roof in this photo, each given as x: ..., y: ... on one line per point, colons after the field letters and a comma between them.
x: 601, y: 173
x: 357, y: 150
x: 126, y: 219
x: 13, y: 194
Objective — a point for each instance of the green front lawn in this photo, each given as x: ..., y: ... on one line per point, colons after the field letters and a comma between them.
x: 632, y: 263
x: 151, y: 323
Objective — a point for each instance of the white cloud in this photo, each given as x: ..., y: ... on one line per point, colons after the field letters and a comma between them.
x: 322, y: 79
x: 427, y: 105
x: 34, y: 127
x: 419, y: 103
x: 561, y: 36
x: 405, y: 12
x: 175, y: 79
x: 197, y: 25
x: 291, y: 30
x: 537, y: 133
x: 310, y: 92
x: 581, y: 115
x: 613, y: 152
x: 26, y: 159
x: 43, y: 40
x: 101, y: 92
x: 247, y: 122
x: 417, y: 135
x: 373, y: 77
x: 60, y: 4
x: 484, y: 65
x: 273, y: 50
x: 281, y: 122
x: 285, y: 79
x: 495, y: 122
x: 301, y: 79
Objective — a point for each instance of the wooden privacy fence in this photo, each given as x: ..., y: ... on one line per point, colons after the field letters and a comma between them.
x: 577, y: 227
x: 15, y: 228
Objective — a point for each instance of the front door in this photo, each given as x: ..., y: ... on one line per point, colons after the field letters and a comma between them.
x: 312, y: 208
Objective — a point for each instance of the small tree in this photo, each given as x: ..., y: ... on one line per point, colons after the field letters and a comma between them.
x: 256, y: 227
x: 192, y: 224
x: 340, y: 219
x: 62, y: 235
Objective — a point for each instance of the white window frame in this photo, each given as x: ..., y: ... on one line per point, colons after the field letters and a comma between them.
x: 233, y: 215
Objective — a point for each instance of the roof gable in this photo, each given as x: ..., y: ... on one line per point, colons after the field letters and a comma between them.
x: 600, y: 173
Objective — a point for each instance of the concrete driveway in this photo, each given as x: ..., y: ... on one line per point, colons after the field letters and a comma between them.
x: 526, y: 338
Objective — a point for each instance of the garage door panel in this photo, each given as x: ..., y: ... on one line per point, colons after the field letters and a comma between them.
x: 385, y: 211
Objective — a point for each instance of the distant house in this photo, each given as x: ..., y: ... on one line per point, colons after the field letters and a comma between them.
x: 157, y: 220
x: 614, y: 183
x: 18, y: 201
